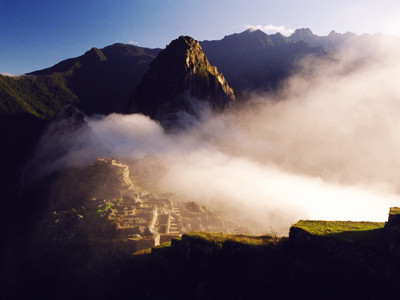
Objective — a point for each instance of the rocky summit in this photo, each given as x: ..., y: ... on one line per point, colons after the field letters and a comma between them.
x: 178, y: 80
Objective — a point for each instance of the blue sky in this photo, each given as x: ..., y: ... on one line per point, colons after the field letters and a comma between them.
x: 35, y: 34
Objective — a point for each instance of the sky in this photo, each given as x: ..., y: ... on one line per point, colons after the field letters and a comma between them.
x: 38, y: 34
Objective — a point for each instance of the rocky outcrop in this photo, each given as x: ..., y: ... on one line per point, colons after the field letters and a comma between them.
x: 373, y: 251
x: 178, y: 82
x: 392, y: 232
x: 194, y: 248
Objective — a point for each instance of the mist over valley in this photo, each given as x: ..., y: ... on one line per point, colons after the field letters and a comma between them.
x: 324, y: 146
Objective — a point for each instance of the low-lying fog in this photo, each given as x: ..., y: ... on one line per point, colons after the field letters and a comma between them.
x: 326, y: 147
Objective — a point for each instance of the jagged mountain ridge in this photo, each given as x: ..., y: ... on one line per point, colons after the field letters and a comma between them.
x: 180, y: 74
x: 333, y: 41
x: 103, y: 80
x: 249, y: 40
x: 254, y: 60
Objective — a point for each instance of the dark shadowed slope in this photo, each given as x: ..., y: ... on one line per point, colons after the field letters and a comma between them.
x: 104, y: 79
x: 100, y: 81
x: 26, y: 102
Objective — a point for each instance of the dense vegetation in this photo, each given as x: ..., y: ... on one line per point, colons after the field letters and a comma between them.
x: 41, y: 96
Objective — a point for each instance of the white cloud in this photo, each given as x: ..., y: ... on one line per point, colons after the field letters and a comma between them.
x: 270, y: 28
x: 133, y: 42
x: 8, y: 74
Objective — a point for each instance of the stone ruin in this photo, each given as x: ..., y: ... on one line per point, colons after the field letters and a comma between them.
x: 133, y: 219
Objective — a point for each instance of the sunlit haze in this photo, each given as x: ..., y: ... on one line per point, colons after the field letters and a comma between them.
x: 328, y: 149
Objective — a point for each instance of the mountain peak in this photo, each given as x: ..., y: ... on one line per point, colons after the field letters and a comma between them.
x: 252, y: 30
x: 249, y: 40
x: 179, y: 74
x: 95, y: 54
x: 188, y: 48
x: 303, y: 34
x: 187, y: 39
x: 303, y: 31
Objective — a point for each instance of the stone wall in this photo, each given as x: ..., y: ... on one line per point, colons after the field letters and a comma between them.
x: 124, y: 246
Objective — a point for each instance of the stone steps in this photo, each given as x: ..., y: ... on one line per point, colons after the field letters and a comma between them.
x: 173, y: 228
x: 177, y: 211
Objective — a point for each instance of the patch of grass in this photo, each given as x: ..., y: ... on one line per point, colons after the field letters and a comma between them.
x: 105, y: 207
x: 163, y: 245
x: 220, y: 238
x: 394, y: 211
x: 335, y: 227
x: 365, y: 232
x: 142, y: 252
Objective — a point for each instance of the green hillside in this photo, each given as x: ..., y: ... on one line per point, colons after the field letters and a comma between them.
x: 99, y: 81
x: 42, y: 96
x: 104, y: 79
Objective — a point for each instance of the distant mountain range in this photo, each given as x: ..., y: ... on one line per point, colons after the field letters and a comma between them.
x: 253, y: 60
x: 103, y: 80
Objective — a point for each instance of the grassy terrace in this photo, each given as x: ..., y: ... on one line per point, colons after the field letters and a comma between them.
x: 335, y: 227
x: 346, y: 230
x: 218, y: 240
x: 394, y: 211
x: 237, y: 238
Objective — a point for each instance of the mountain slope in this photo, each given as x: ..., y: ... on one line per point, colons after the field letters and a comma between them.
x: 26, y: 102
x: 104, y: 79
x: 100, y: 81
x: 41, y: 96
x: 178, y: 75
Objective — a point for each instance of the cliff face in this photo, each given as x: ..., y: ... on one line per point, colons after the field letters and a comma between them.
x: 180, y: 74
